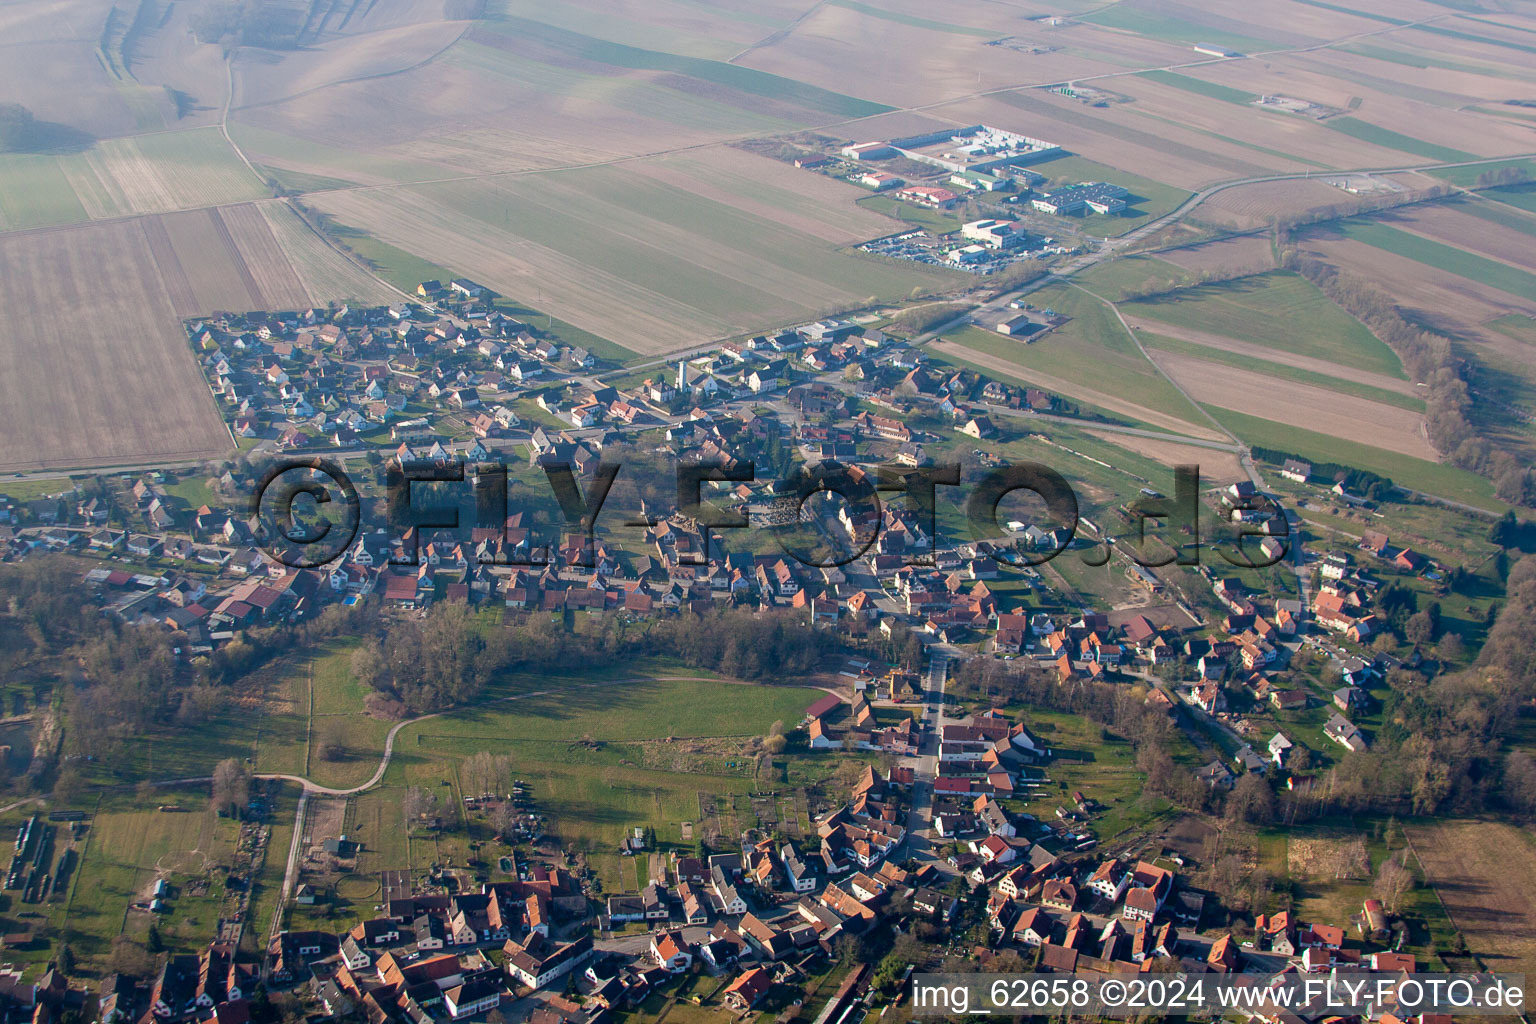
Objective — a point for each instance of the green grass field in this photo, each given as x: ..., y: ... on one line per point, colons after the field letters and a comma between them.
x: 632, y: 31
x: 260, y: 143
x: 1442, y: 257
x: 1103, y: 767
x: 298, y: 181
x: 1350, y: 10
x: 637, y: 95
x: 1467, y: 176
x: 747, y: 80
x: 1113, y: 278
x: 150, y: 173
x: 1021, y: 376
x: 1172, y: 30
x: 1378, y: 136
x: 34, y: 192
x: 406, y: 270
x: 1283, y: 371
x: 1501, y: 213
x: 1201, y: 87
x: 1430, y: 477
x: 915, y: 22
x: 662, y: 737
x: 649, y: 235
x: 1482, y: 40
x: 133, y: 846
x: 1420, y: 59
x: 936, y: 221
x: 123, y: 846
x: 1086, y: 356
x: 639, y: 773
x: 1517, y: 326
x: 1277, y: 309
x: 1522, y: 197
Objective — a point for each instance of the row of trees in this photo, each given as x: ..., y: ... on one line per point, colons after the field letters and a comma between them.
x: 1430, y: 358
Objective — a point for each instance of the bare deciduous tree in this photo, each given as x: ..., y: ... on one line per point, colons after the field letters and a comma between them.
x: 231, y: 784
x: 1393, y: 881
x: 419, y: 804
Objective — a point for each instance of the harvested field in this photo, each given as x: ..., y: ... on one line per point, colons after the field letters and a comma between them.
x: 1430, y: 293
x: 246, y: 232
x: 633, y: 258
x: 1286, y: 141
x: 204, y: 268
x: 812, y: 204
x: 1216, y: 467
x: 941, y: 65
x: 1327, y: 859
x: 1244, y: 254
x: 1263, y: 352
x: 1157, y: 150
x: 95, y: 368
x: 1256, y: 205
x: 155, y: 173
x: 1300, y: 405
x: 324, y: 273
x: 1448, y: 224
x: 1479, y: 869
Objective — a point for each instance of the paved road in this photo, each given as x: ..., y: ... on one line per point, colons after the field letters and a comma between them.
x: 925, y: 763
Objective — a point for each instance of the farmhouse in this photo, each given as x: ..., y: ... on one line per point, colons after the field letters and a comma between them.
x: 1296, y: 471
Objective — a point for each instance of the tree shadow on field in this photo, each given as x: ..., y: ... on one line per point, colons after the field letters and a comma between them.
x: 50, y: 137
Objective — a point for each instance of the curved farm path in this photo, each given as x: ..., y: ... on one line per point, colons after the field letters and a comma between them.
x: 311, y: 788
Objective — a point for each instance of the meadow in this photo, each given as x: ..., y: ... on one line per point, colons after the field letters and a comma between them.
x: 1279, y: 310
x: 123, y: 846
x: 1113, y: 279
x: 1283, y: 371
x: 154, y: 173
x: 1432, y: 478
x: 604, y: 750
